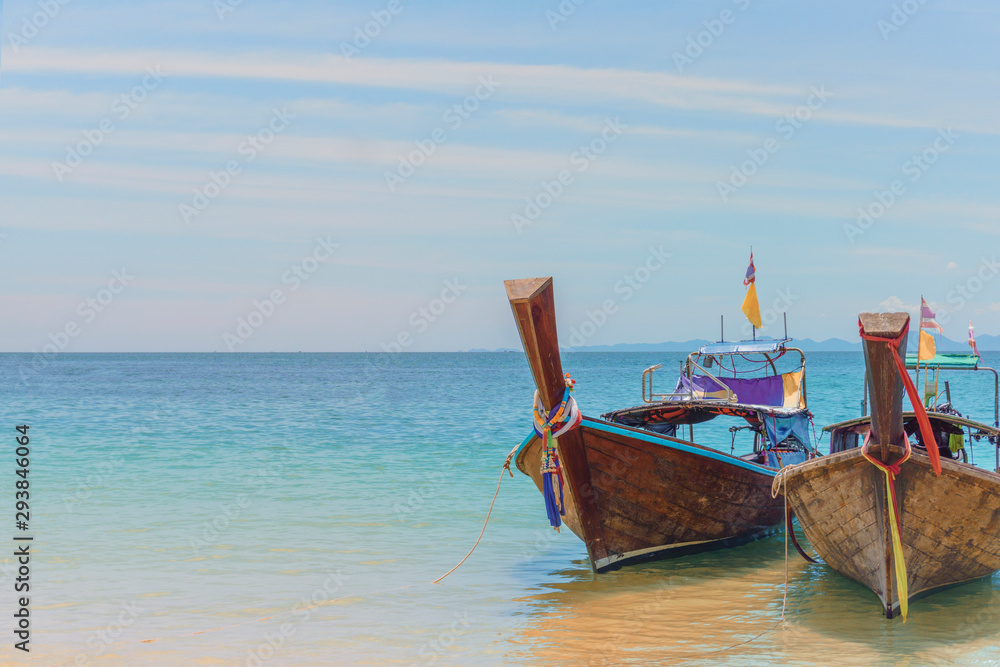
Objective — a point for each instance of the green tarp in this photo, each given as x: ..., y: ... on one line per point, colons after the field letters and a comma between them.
x: 953, y: 361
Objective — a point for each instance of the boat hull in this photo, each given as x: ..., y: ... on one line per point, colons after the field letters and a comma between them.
x: 950, y: 525
x: 659, y: 497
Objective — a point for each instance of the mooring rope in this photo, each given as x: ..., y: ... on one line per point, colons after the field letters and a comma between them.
x: 788, y: 525
x: 506, y: 466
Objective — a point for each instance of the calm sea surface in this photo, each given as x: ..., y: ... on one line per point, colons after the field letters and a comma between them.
x: 177, y: 494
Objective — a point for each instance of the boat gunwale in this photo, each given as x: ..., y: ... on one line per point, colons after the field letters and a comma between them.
x: 917, y: 457
x: 658, y: 439
x: 952, y: 419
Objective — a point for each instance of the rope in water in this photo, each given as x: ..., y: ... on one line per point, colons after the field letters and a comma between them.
x: 780, y: 621
x: 788, y: 527
x: 780, y: 480
x: 506, y: 466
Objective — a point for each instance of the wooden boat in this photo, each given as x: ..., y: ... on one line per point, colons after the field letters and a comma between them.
x: 948, y: 525
x: 630, y: 489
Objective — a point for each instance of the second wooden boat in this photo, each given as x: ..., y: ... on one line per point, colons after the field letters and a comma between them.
x: 903, y: 518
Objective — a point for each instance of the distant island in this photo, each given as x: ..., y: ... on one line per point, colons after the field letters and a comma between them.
x: 985, y: 342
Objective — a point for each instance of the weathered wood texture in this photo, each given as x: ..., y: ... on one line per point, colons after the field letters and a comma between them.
x: 885, y: 389
x: 655, y: 501
x: 950, y: 525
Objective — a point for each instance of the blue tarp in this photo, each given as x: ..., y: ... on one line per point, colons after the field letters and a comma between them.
x: 779, y: 428
x: 787, y: 458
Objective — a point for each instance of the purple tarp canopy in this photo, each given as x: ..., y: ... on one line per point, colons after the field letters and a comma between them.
x: 753, y: 391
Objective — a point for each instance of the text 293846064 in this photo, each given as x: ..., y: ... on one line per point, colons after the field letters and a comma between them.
x: 22, y: 548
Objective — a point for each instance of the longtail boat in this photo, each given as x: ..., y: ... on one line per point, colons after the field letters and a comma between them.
x: 905, y: 518
x: 625, y: 484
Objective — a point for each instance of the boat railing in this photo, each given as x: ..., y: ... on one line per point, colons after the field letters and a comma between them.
x: 648, y: 396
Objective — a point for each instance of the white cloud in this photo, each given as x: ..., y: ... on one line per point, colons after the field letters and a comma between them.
x: 952, y: 265
x: 536, y: 83
x: 895, y: 304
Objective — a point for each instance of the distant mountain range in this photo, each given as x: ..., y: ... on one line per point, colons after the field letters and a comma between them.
x: 986, y: 343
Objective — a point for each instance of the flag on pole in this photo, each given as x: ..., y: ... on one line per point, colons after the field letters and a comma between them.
x: 972, y: 341
x: 927, y: 349
x: 750, y: 306
x: 927, y: 316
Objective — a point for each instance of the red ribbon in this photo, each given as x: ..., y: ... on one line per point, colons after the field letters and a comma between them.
x: 918, y: 407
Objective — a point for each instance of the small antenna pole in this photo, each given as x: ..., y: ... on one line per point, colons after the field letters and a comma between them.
x: 786, y: 324
x: 722, y: 328
x: 754, y: 332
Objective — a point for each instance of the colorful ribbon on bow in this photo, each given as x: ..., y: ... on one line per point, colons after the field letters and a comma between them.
x: 891, y: 470
x: 561, y: 419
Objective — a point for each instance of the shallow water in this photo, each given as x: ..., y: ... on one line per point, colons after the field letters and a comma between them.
x: 178, y: 494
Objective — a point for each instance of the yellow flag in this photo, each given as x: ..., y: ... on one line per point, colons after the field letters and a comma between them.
x: 751, y: 308
x: 927, y: 348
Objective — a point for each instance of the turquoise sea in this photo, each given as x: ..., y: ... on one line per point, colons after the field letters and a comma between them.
x: 192, y: 509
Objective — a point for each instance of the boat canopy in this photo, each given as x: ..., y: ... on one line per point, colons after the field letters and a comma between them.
x: 953, y: 361
x: 744, y: 347
x: 781, y: 391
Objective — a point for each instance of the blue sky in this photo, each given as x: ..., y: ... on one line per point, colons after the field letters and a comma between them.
x: 888, y: 95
